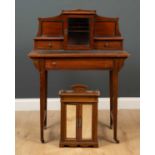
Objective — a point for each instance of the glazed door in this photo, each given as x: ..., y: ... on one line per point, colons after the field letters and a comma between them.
x: 79, y: 122
x: 78, y: 32
x: 71, y: 119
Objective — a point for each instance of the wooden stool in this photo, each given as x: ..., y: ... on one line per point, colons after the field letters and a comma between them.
x: 79, y: 116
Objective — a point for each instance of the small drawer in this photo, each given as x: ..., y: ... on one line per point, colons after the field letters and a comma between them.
x: 108, y: 45
x: 51, y: 45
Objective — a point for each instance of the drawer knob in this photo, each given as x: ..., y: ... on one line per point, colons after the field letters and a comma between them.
x: 106, y: 44
x: 49, y: 44
x: 54, y: 63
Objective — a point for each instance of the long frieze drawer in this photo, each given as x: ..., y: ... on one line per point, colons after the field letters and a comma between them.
x: 108, y: 45
x: 46, y: 44
x: 78, y: 64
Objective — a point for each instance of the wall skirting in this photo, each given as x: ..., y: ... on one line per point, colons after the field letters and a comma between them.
x: 32, y: 104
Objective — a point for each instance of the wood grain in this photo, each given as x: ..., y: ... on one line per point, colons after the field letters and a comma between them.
x: 28, y: 143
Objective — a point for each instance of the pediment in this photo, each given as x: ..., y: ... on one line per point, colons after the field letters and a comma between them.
x: 79, y: 11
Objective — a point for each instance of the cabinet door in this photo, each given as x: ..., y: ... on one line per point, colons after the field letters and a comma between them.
x: 74, y: 122
x: 71, y: 119
x: 81, y: 122
x: 87, y: 121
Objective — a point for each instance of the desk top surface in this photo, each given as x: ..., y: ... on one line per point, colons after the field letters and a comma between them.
x: 77, y: 53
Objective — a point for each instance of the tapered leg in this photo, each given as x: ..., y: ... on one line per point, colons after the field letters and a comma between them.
x: 111, y: 98
x: 43, y: 99
x: 114, y: 101
x: 45, y: 107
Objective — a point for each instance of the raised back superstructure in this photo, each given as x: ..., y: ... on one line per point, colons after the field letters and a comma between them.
x: 78, y: 29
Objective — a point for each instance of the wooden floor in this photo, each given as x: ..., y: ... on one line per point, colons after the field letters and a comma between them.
x: 27, y: 135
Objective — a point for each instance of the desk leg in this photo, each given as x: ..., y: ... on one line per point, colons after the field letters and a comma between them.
x: 111, y: 97
x: 43, y: 99
x: 114, y: 77
x: 45, y: 107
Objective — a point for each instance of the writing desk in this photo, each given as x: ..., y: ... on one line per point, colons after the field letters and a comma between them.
x: 46, y: 60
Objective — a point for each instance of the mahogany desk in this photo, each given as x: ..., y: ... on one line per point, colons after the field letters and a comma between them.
x: 46, y: 60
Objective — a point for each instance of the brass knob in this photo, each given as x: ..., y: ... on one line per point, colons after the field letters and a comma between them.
x: 54, y: 63
x: 49, y: 44
x: 106, y: 44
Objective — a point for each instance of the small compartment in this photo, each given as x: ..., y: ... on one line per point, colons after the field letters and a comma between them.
x: 78, y: 32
